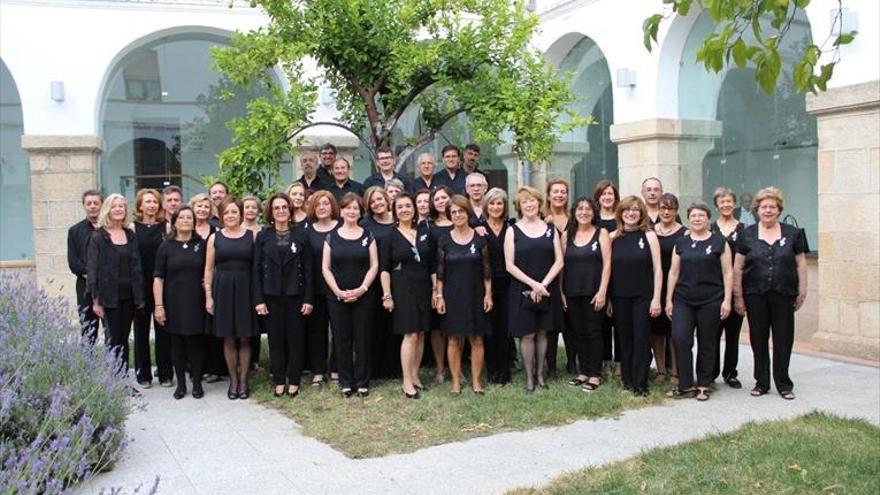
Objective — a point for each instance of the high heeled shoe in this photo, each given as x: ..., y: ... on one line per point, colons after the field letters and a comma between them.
x: 232, y: 393
x: 414, y: 395
x: 198, y: 392
x: 244, y: 392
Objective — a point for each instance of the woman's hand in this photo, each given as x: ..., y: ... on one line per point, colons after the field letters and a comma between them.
x: 306, y: 309
x: 739, y: 305
x: 609, y: 310
x: 799, y: 300
x: 99, y: 310
x: 655, y: 308
x: 209, y: 305
x: 388, y: 304
x: 261, y: 309
x: 540, y: 290
x: 159, y: 314
x: 480, y: 230
x: 725, y: 309
x: 565, y: 302
x: 669, y: 309
x: 598, y: 301
x: 440, y: 304
x: 487, y: 302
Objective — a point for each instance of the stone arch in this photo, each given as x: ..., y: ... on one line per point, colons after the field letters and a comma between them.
x: 16, y: 221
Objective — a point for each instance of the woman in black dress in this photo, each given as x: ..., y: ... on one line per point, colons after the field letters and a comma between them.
x: 385, y: 346
x: 114, y: 279
x: 636, y: 280
x: 215, y: 362
x: 439, y: 227
x: 728, y: 226
x: 423, y: 205
x: 150, y: 228
x: 606, y: 195
x: 180, y: 299
x: 558, y: 214
x: 463, y: 293
x: 499, y: 344
x: 229, y: 294
x: 534, y: 259
x: 668, y: 231
x: 406, y: 288
x: 769, y: 285
x: 323, y: 217
x: 350, y: 264
x: 586, y: 273
x: 297, y: 194
x: 283, y: 292
x: 700, y: 283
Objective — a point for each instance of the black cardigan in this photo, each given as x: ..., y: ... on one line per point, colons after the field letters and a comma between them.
x: 289, y: 270
x: 103, y: 269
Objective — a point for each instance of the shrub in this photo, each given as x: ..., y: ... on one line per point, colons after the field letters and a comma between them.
x: 62, y: 404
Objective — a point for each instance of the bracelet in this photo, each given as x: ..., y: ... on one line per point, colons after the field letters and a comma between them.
x: 159, y: 306
x: 438, y: 296
x: 364, y: 288
x: 386, y: 297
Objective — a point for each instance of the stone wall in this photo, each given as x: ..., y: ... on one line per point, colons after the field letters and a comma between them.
x: 849, y: 231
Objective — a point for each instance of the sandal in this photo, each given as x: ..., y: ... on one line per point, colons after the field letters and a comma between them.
x: 677, y: 393
x: 589, y: 386
x: 732, y: 382
x: 702, y: 394
x: 757, y: 392
x: 787, y: 395
x: 318, y: 381
x: 577, y: 381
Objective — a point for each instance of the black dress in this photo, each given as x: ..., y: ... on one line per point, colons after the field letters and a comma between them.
x: 610, y: 224
x: 534, y: 256
x: 409, y: 267
x: 234, y: 314
x: 661, y: 325
x: 463, y: 268
x: 386, y: 345
x: 181, y: 265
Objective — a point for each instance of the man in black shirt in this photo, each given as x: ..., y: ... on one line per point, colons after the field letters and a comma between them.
x: 452, y: 175
x: 425, y: 179
x: 471, y: 158
x: 385, y: 164
x: 77, y: 241
x: 328, y: 156
x: 218, y: 192
x: 341, y: 183
x: 310, y: 178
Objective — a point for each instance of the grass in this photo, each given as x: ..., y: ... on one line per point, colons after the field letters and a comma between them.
x: 387, y: 423
x: 817, y: 453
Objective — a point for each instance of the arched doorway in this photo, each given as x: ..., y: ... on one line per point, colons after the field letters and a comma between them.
x: 767, y: 140
x: 164, y: 115
x: 16, y: 222
x: 588, y: 150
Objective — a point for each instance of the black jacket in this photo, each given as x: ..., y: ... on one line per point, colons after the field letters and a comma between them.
x: 103, y: 269
x: 288, y: 272
x: 77, y: 243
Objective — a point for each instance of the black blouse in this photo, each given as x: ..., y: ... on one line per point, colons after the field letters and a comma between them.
x: 700, y: 278
x: 770, y: 267
x: 496, y: 250
x: 583, y: 267
x: 632, y: 267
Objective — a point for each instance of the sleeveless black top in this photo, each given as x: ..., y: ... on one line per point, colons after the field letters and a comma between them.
x: 349, y: 259
x: 632, y: 269
x: 583, y: 267
x: 700, y: 279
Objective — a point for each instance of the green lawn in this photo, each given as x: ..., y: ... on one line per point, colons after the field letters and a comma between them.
x: 814, y: 454
x: 386, y: 422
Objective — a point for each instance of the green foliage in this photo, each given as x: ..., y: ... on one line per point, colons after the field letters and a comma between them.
x: 768, y: 21
x: 381, y: 57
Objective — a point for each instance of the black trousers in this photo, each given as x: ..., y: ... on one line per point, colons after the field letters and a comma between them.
x: 633, y: 324
x: 385, y: 348
x: 351, y: 327
x: 188, y: 350
x: 317, y: 326
x: 499, y: 357
x: 771, y: 315
x: 610, y: 340
x: 287, y: 338
x: 731, y: 327
x: 88, y: 320
x: 162, y: 345
x: 707, y: 319
x: 586, y: 333
x: 117, y: 327
x: 215, y: 361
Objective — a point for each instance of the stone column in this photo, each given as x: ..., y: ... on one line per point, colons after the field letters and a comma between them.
x: 62, y: 168
x: 848, y: 121
x: 669, y: 149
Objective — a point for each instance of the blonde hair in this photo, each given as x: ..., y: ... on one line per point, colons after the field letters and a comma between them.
x: 769, y: 193
x: 526, y: 192
x: 368, y: 198
x: 198, y: 198
x: 139, y: 200
x: 295, y: 185
x: 104, y: 214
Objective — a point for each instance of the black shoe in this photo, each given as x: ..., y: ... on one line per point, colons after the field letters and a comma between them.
x: 232, y: 393
x: 293, y: 393
x: 347, y: 393
x: 244, y: 392
x: 411, y: 396
x: 180, y: 393
x: 732, y: 382
x: 276, y: 393
x: 363, y: 392
x: 198, y: 392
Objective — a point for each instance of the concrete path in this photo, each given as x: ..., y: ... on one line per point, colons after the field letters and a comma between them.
x: 215, y: 446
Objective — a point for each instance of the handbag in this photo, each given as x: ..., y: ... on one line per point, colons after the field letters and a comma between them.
x: 791, y: 220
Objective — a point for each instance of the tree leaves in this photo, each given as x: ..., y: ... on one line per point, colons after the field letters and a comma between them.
x: 768, y: 22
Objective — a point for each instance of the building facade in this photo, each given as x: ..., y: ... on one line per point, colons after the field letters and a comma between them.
x: 118, y: 95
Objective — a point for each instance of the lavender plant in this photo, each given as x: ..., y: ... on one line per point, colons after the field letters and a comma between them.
x: 62, y: 402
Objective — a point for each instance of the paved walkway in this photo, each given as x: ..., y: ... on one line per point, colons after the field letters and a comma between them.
x: 215, y: 446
